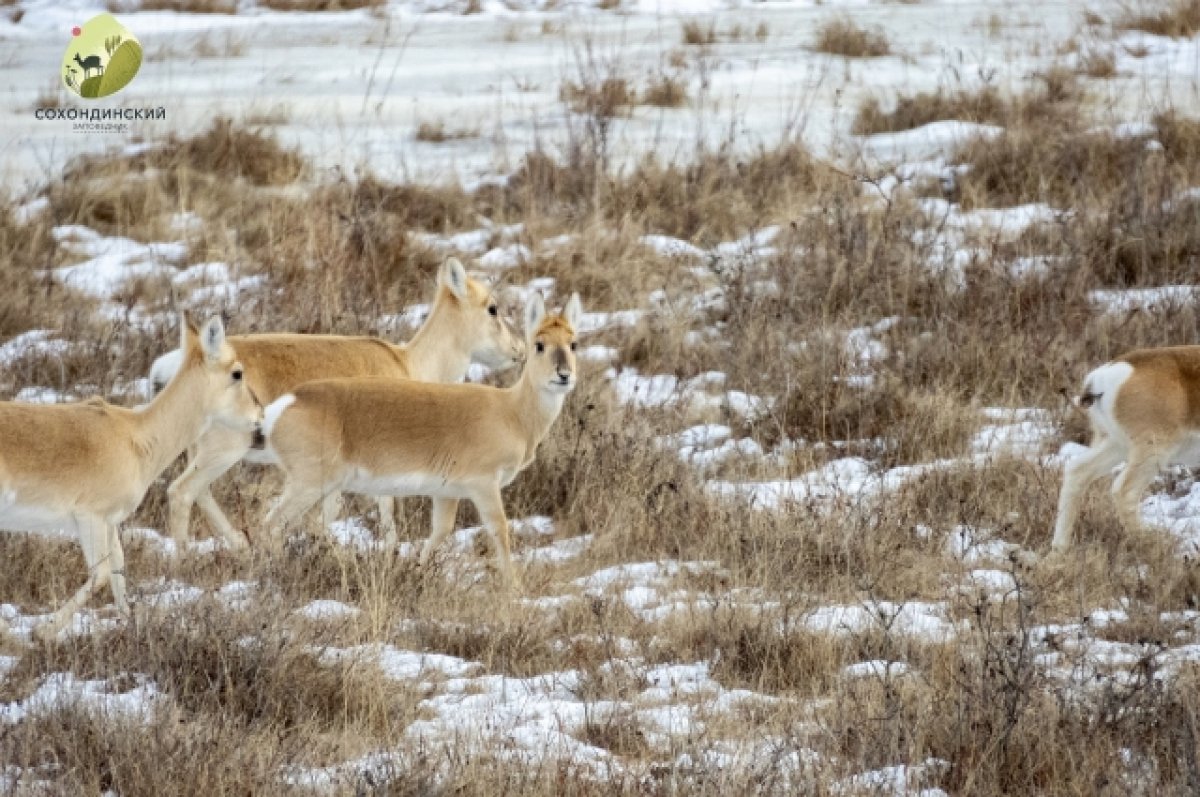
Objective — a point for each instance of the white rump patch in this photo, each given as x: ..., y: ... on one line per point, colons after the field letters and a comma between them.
x: 1106, y: 382
x: 274, y: 410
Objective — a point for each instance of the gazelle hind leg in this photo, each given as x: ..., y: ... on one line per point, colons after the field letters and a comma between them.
x: 94, y: 540
x: 116, y: 558
x: 387, y: 519
x: 1104, y: 454
x: 331, y: 508
x: 297, y: 499
x: 443, y: 514
x: 1144, y: 464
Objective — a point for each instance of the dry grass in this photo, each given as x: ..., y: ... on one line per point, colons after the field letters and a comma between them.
x: 841, y: 36
x: 323, y: 5
x: 184, y: 6
x: 612, y: 96
x: 665, y: 91
x: 697, y: 33
x: 1054, y: 99
x: 248, y: 697
x: 1178, y: 18
x: 437, y: 132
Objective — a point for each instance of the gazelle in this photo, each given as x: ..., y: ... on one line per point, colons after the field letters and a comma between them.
x: 1144, y: 409
x: 464, y: 325
x: 450, y: 442
x: 86, y: 466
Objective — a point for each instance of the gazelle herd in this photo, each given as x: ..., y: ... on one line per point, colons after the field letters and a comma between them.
x: 362, y: 415
x: 87, y: 466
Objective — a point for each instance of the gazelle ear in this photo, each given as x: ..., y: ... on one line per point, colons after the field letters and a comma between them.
x: 454, y: 277
x: 187, y: 331
x: 212, y: 337
x: 574, y: 312
x: 535, y: 311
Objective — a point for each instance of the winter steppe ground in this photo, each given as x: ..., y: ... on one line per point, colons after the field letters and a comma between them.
x: 841, y: 262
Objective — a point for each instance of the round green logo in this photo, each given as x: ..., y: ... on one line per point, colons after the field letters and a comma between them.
x: 101, y: 59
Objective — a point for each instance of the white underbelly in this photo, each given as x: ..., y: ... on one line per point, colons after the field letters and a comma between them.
x: 22, y: 517
x: 401, y: 484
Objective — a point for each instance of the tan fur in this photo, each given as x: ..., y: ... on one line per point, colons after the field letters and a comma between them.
x: 86, y: 466
x: 386, y: 436
x: 1152, y: 421
x: 461, y: 326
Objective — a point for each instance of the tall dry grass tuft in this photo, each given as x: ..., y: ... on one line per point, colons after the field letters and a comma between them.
x: 842, y: 37
x: 1178, y: 19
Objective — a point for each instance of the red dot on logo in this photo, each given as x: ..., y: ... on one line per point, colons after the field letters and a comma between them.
x: 75, y: 31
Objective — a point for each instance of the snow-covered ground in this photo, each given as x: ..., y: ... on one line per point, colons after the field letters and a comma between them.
x: 351, y: 88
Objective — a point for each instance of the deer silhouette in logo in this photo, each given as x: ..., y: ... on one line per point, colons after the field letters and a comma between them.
x: 89, y: 63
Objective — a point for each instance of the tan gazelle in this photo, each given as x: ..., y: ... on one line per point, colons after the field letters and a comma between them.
x: 1144, y: 409
x: 450, y: 442
x: 85, y: 467
x: 464, y: 325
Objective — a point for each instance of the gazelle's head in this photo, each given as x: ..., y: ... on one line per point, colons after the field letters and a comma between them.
x: 551, y: 341
x: 218, y: 382
x: 477, y: 318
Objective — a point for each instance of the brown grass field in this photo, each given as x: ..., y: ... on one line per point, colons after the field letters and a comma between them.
x: 838, y: 636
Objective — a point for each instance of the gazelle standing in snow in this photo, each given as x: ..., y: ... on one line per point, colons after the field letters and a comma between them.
x: 87, y: 466
x: 1144, y: 409
x: 449, y: 442
x: 464, y: 325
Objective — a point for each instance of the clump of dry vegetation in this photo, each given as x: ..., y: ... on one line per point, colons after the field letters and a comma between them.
x: 609, y: 97
x: 1177, y: 18
x: 841, y: 36
x: 182, y: 6
x: 1054, y: 99
x: 437, y: 132
x: 695, y: 32
x: 665, y: 91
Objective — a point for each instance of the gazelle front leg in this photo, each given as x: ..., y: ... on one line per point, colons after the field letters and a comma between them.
x: 1103, y: 455
x: 444, y: 512
x: 215, y: 453
x: 491, y: 510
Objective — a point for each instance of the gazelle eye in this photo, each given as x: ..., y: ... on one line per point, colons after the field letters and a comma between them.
x: 492, y: 310
x: 574, y: 345
x: 541, y: 347
x: 237, y: 374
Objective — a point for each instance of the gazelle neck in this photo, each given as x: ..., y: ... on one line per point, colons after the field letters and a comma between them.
x: 435, y: 353
x: 171, y: 422
x: 537, y: 407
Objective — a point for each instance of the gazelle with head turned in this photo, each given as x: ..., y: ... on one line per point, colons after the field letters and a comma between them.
x: 449, y: 442
x: 86, y: 466
x: 464, y: 325
x: 1144, y: 409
